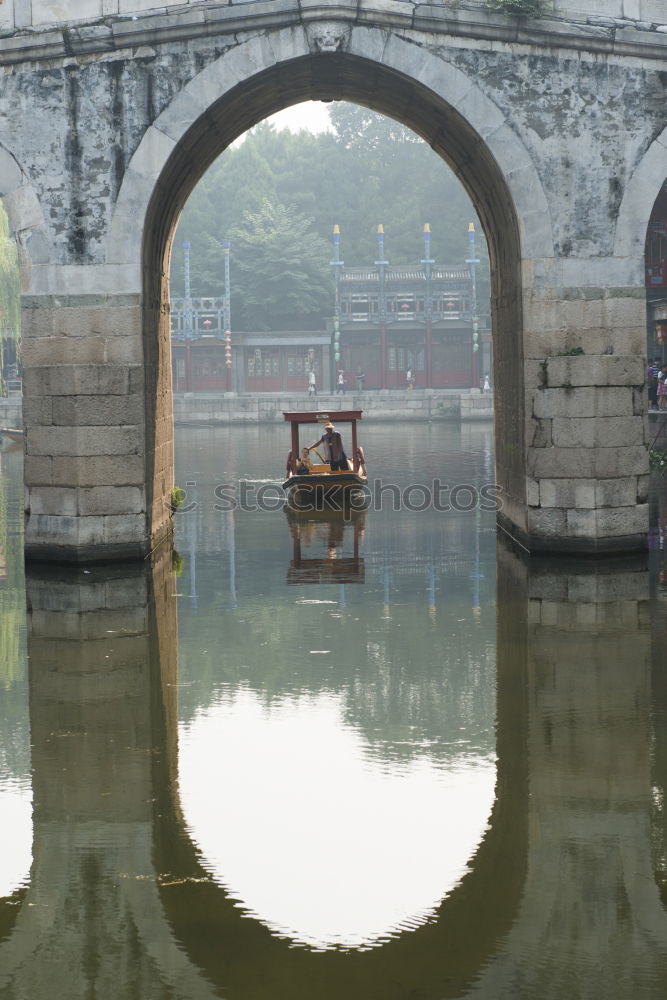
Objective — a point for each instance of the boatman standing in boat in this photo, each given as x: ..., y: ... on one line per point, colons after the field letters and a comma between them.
x: 332, y: 445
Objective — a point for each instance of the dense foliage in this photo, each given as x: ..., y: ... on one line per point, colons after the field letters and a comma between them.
x: 277, y: 195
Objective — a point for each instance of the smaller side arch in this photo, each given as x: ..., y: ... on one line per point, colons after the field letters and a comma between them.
x: 26, y: 218
x: 638, y: 199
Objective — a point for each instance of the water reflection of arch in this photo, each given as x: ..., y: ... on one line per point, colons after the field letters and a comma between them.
x: 190, y: 932
x: 439, y: 959
x: 516, y: 916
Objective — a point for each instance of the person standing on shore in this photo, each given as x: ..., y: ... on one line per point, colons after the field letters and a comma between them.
x: 662, y: 389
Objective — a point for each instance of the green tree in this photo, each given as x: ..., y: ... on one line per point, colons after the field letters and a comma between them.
x: 281, y: 265
x: 362, y: 130
x: 238, y: 182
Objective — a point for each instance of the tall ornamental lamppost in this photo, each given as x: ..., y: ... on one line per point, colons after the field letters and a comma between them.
x: 427, y: 264
x: 189, y: 333
x: 227, y: 320
x: 337, y: 264
x: 381, y: 265
x: 471, y: 261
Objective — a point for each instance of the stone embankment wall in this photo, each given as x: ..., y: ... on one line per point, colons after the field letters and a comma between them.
x: 268, y: 407
x: 197, y: 408
x: 11, y: 412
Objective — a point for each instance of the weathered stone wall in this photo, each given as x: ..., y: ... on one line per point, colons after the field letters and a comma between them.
x: 556, y: 126
x: 220, y: 408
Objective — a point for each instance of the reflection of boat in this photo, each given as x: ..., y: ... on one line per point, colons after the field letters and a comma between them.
x: 322, y: 479
x: 328, y: 534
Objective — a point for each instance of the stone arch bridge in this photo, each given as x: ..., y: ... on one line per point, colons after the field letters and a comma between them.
x: 555, y: 125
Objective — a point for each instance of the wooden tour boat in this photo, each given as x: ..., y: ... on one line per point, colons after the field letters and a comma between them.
x: 321, y: 478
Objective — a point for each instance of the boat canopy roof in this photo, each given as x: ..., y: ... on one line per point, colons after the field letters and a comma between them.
x: 318, y: 417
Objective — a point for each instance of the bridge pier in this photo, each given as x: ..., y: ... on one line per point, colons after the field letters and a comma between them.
x: 586, y: 457
x: 92, y: 448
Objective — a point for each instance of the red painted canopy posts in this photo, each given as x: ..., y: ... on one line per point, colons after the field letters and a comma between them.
x: 322, y: 476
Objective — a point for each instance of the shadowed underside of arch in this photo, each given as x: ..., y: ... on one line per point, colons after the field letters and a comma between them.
x: 339, y: 76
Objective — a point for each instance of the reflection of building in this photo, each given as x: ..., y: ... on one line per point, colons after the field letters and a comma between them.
x: 656, y: 278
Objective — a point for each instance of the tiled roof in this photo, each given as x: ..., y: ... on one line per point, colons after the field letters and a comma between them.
x: 443, y: 272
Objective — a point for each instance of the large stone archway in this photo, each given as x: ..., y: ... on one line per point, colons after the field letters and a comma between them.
x: 571, y: 457
x: 464, y: 127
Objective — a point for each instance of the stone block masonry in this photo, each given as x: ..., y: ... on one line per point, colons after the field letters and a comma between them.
x: 85, y: 419
x: 589, y: 462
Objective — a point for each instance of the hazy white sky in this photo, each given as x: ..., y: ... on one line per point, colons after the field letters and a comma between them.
x: 313, y: 116
x: 16, y: 854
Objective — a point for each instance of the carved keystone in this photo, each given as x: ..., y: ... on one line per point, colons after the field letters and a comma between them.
x: 328, y: 36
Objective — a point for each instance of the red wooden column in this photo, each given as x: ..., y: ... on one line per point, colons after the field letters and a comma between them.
x: 188, y: 366
x: 383, y: 357
x: 295, y: 444
x: 429, y: 355
x: 355, y: 458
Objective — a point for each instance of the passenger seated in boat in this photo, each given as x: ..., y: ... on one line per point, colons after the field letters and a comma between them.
x: 304, y: 466
x: 334, y: 453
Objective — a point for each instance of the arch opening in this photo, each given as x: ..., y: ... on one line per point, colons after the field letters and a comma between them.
x: 327, y: 77
x: 329, y: 241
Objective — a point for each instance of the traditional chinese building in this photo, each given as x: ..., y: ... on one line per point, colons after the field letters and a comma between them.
x: 274, y: 361
x: 421, y: 319
x: 207, y: 357
x: 387, y: 321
